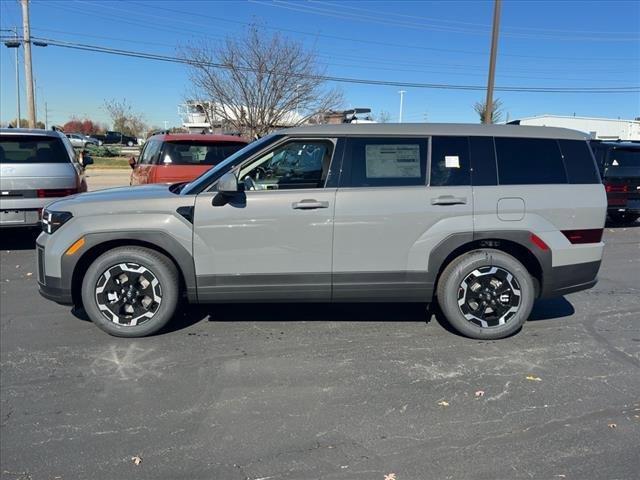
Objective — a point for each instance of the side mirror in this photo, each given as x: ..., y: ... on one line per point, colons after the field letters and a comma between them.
x: 86, y: 160
x: 228, y: 183
x: 132, y: 162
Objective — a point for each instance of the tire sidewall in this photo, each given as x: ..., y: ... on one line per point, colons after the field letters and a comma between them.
x: 448, y: 294
x: 157, y: 264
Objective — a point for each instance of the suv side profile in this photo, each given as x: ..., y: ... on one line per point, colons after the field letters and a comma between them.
x: 482, y: 219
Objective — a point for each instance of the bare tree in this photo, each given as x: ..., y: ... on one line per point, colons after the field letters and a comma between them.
x: 124, y: 118
x: 384, y: 117
x: 496, y: 111
x: 257, y: 82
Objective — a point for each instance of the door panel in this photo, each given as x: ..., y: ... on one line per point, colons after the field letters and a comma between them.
x: 259, y: 247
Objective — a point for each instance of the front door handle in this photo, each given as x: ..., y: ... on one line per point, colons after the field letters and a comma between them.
x: 448, y: 200
x: 309, y: 204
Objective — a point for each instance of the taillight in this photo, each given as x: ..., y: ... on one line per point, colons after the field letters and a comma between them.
x: 591, y: 235
x: 616, y: 187
x: 55, y: 192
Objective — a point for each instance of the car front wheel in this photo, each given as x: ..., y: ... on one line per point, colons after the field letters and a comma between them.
x: 131, y: 291
x: 129, y: 143
x: 486, y: 294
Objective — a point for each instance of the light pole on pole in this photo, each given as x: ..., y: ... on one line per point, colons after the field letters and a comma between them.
x: 401, y: 92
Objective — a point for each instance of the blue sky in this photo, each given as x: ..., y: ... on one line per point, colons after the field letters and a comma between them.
x: 542, y: 44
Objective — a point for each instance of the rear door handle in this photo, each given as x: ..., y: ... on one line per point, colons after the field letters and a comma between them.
x: 309, y: 204
x: 448, y: 200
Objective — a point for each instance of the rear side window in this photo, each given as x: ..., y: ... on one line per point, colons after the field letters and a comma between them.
x: 450, y: 161
x: 191, y: 153
x: 526, y: 161
x: 578, y: 161
x: 483, y: 161
x: 385, y: 162
x: 32, y: 149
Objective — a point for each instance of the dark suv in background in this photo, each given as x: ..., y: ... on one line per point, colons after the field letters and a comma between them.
x: 619, y: 164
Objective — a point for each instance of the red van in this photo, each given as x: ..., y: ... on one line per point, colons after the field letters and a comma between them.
x: 180, y: 157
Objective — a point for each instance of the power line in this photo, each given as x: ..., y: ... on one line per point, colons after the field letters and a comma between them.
x: 441, y: 86
x: 309, y: 9
x: 458, y: 22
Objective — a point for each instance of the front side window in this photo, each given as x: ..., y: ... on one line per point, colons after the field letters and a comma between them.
x: 528, y: 161
x: 450, y: 161
x: 294, y: 165
x: 385, y: 162
x: 198, y: 153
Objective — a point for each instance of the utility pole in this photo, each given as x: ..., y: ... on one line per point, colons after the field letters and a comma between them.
x: 26, y: 29
x: 46, y: 116
x: 488, y: 107
x: 401, y: 92
x: 15, y: 33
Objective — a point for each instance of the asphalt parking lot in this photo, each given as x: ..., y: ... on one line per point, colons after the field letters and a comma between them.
x: 322, y: 391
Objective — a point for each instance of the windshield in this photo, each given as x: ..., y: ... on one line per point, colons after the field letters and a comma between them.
x: 200, y: 183
x: 623, y: 162
x: 32, y: 149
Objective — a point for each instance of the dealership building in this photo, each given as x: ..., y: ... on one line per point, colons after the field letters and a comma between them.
x: 598, y: 128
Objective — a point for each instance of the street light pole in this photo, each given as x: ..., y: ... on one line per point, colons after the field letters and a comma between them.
x: 401, y: 92
x: 26, y: 29
x: 15, y: 33
x: 488, y: 106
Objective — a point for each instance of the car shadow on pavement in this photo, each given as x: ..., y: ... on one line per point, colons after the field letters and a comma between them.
x: 547, y: 309
x: 18, y: 238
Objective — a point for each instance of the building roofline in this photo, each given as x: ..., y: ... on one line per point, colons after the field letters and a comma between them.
x: 601, y: 119
x: 416, y: 129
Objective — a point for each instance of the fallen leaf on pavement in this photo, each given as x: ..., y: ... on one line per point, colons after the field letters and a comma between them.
x: 137, y: 460
x: 390, y: 476
x: 534, y: 378
x: 443, y: 403
x: 480, y: 393
x: 612, y: 425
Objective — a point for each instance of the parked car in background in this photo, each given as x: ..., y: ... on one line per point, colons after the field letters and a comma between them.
x: 79, y: 140
x: 181, y: 157
x: 483, y: 219
x: 36, y: 167
x: 619, y: 165
x: 113, y: 138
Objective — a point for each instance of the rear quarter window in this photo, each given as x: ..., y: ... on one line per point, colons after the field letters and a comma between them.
x: 529, y: 161
x: 32, y: 149
x: 578, y: 161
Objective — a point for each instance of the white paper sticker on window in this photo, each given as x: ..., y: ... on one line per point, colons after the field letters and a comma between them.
x: 452, y: 161
x: 393, y: 161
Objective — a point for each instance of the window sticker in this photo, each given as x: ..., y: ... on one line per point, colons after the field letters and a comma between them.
x: 452, y: 161
x: 395, y: 161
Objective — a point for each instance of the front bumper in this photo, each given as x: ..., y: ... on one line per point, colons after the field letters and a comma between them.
x: 49, y: 287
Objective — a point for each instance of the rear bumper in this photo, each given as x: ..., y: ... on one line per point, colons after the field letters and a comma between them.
x: 571, y: 278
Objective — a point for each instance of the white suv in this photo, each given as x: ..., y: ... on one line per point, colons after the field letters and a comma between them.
x: 485, y: 219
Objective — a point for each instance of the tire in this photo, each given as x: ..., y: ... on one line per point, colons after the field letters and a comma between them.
x: 489, y: 269
x: 142, y: 306
x: 129, y: 143
x: 100, y: 143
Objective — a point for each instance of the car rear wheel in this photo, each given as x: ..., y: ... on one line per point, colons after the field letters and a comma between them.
x: 624, y: 218
x: 486, y: 294
x: 129, y: 143
x: 131, y: 291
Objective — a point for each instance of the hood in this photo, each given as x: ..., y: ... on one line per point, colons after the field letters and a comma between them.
x: 140, y: 199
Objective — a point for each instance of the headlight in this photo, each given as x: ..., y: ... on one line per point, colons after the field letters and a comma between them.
x: 52, y: 221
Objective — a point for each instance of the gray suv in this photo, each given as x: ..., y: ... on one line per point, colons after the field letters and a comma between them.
x: 36, y: 167
x: 483, y: 219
